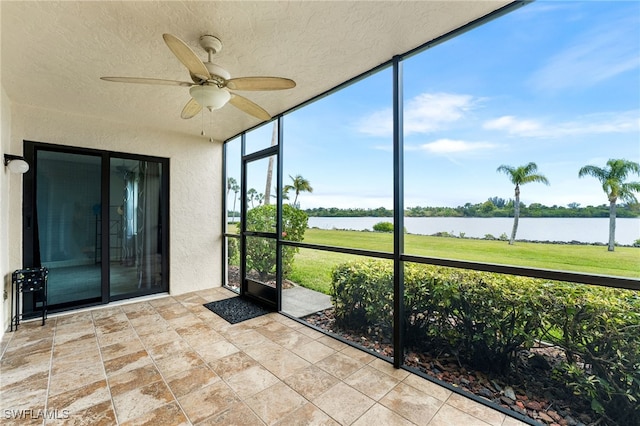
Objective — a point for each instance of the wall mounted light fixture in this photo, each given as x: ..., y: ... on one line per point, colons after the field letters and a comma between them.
x: 16, y: 164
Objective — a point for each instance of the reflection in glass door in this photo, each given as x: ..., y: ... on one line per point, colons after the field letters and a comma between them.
x: 135, y: 227
x: 68, y: 197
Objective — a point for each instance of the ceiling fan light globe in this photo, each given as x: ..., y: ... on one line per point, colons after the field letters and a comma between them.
x: 210, y: 97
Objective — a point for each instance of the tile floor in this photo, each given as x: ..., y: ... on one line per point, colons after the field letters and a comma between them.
x: 170, y: 361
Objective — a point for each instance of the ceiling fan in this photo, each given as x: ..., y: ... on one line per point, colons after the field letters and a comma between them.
x: 212, y: 85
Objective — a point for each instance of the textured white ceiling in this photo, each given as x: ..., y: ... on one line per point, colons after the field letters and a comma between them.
x: 53, y: 53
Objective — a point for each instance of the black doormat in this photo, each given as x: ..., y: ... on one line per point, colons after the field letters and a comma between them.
x: 236, y: 309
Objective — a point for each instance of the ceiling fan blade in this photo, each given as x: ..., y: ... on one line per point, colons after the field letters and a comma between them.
x: 187, y: 56
x: 138, y: 80
x: 191, y: 109
x: 260, y: 83
x: 249, y: 107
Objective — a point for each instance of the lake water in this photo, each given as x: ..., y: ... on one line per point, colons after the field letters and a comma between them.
x: 587, y: 230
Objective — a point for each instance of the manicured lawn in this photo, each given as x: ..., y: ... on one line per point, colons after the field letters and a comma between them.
x: 312, y: 268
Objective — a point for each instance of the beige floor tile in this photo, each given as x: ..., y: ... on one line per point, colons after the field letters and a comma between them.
x: 343, y: 403
x: 187, y: 381
x: 212, y: 351
x: 283, y: 362
x: 232, y: 364
x: 250, y: 381
x: 261, y: 371
x: 117, y: 337
x: 154, y: 326
x: 412, y: 404
x: 381, y: 415
x: 185, y: 320
x: 291, y: 339
x: 80, y: 399
x: 112, y: 327
x: 167, y: 415
x: 387, y: 367
x: 73, y: 372
x: 122, y: 348
x: 101, y: 414
x: 151, y: 340
x: 308, y: 414
x: 24, y: 395
x: 126, y: 363
x: 476, y: 409
x: 313, y: 351
x: 358, y: 354
x: 74, y: 347
x: 274, y: 403
x: 371, y: 382
x: 129, y: 380
x: 74, y: 332
x: 311, y: 382
x: 21, y: 346
x: 340, y: 365
x: 208, y: 401
x: 168, y: 349
x: 181, y: 361
x: 19, y: 369
x: 247, y: 339
x: 427, y: 387
x: 236, y: 415
x: 138, y: 401
x: 448, y: 415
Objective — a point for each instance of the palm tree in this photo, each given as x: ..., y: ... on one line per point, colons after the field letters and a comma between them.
x: 235, y: 188
x: 520, y: 176
x: 300, y: 184
x: 612, y: 177
x: 251, y: 195
x: 232, y: 185
x: 260, y: 198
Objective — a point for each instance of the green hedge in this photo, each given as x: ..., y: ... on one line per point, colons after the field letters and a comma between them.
x: 486, y: 318
x: 261, y: 252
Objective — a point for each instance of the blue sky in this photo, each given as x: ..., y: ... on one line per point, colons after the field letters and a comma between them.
x: 556, y: 83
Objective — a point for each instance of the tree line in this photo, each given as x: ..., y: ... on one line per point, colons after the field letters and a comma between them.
x: 493, y: 207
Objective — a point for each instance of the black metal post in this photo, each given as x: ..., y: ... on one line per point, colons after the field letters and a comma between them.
x: 398, y: 216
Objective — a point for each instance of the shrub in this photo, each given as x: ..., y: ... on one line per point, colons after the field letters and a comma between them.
x: 261, y: 252
x: 362, y: 294
x: 600, y: 334
x: 383, y: 227
x: 486, y: 318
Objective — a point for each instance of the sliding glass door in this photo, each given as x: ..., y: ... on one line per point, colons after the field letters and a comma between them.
x: 67, y: 209
x: 98, y: 221
x: 135, y: 227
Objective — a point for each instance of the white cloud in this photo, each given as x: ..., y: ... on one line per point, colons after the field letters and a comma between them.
x: 595, y: 56
x: 425, y: 113
x: 592, y: 124
x: 451, y: 146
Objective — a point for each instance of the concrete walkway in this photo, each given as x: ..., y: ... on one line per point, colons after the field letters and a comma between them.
x: 299, y: 301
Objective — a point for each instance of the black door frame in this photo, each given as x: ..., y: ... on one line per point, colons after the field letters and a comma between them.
x: 269, y: 296
x: 30, y: 247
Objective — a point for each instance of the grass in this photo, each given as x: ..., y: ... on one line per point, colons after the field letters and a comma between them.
x: 312, y: 268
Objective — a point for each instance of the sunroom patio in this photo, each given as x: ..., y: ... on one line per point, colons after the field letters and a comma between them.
x: 171, y: 361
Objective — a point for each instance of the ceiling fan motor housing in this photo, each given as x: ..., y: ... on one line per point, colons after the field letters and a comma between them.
x: 210, y: 44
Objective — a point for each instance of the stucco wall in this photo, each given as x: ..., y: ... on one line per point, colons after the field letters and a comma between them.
x: 5, y: 178
x: 194, y: 194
